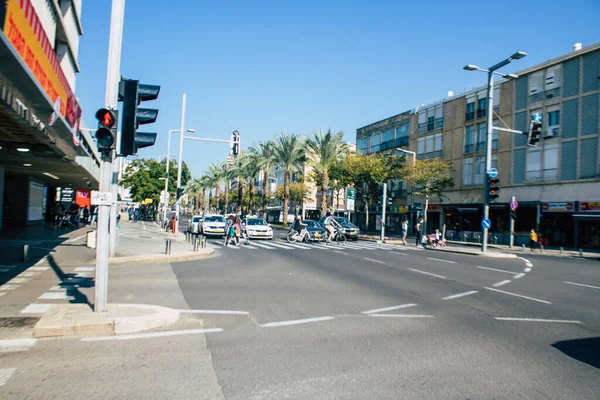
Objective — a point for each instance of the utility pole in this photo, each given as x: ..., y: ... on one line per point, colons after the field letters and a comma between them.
x: 383, y: 207
x: 181, y: 133
x: 512, y: 223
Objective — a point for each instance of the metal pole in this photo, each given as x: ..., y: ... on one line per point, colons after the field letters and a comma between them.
x: 488, y: 156
x: 101, y: 286
x: 181, y: 132
x: 167, y: 179
x: 383, y: 207
x: 512, y: 227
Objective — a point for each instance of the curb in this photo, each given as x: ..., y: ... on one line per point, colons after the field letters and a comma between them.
x: 137, y: 324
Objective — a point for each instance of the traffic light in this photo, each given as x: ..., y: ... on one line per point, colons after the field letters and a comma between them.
x: 132, y: 93
x: 389, y: 201
x: 513, y: 214
x: 535, y: 131
x: 106, y: 132
x: 493, y: 189
x: 179, y: 193
x: 380, y: 195
x: 235, y: 143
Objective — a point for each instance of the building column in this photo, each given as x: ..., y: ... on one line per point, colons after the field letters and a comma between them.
x: 2, y: 169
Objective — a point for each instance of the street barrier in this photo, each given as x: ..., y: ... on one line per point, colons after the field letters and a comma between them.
x: 168, y: 246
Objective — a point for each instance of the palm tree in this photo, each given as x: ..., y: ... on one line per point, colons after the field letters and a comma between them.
x: 323, y: 151
x: 227, y: 177
x: 192, y: 188
x: 237, y: 172
x: 216, y: 172
x: 288, y: 154
x: 251, y: 170
x: 205, y: 183
x: 264, y: 154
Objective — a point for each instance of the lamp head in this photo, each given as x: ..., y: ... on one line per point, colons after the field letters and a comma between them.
x: 471, y: 67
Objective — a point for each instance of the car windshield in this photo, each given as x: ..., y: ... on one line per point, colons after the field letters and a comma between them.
x: 214, y: 218
x: 342, y: 221
x: 256, y: 221
x: 196, y: 219
x: 311, y: 223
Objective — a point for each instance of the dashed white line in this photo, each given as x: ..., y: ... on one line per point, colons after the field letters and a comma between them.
x: 518, y: 295
x: 379, y: 310
x: 28, y: 274
x: 527, y: 270
x: 75, y: 239
x: 375, y: 261
x: 501, y: 283
x: 519, y: 276
x: 295, y: 322
x: 581, y: 284
x: 19, y: 280
x: 397, y: 252
x: 458, y: 295
x: 13, y: 345
x: 9, y: 287
x: 563, y: 321
x: 151, y: 335
x: 440, y: 260
x: 5, y: 374
x: 39, y: 269
x: 427, y: 273
x: 340, y: 252
x: 36, y: 308
x: 497, y: 270
x: 401, y: 316
x: 223, y: 312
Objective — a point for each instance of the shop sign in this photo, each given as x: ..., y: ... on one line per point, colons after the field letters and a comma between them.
x: 557, y: 207
x: 435, y: 207
x: 67, y: 195
x: 589, y: 206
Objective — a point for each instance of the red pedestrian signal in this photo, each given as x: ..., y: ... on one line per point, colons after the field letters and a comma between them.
x: 106, y: 133
x: 106, y: 118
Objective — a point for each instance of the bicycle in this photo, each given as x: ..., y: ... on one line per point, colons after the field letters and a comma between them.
x: 293, y: 236
x: 338, y: 236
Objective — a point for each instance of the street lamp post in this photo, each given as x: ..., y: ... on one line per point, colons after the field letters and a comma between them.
x: 412, y: 193
x: 167, y: 171
x: 488, y: 146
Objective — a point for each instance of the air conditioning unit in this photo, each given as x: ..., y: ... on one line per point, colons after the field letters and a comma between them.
x: 552, y: 131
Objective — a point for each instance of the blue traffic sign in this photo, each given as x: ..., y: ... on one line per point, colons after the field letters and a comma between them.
x: 514, y: 205
x: 537, y: 117
x: 493, y: 173
x: 486, y: 223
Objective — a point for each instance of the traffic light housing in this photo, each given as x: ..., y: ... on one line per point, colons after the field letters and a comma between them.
x: 132, y: 93
x: 493, y: 189
x: 535, y: 132
x: 179, y: 193
x: 235, y: 143
x: 106, y: 133
x: 380, y: 195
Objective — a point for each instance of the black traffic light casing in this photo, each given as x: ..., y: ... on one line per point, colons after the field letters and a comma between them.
x: 535, y: 132
x: 132, y: 93
x: 493, y: 189
x: 235, y: 143
x: 380, y: 195
x: 106, y: 133
x: 178, y: 193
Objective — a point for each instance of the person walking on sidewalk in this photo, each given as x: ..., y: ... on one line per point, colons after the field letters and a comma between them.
x: 419, y: 232
x: 533, y: 238
x: 229, y: 230
x: 86, y: 215
x: 404, y: 229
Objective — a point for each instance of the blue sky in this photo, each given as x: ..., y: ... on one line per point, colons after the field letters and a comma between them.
x: 264, y: 67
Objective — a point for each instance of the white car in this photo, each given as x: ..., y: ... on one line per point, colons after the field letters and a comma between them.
x: 212, y: 225
x: 257, y: 228
x: 193, y: 225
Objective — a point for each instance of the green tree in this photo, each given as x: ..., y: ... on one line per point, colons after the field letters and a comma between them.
x: 216, y: 171
x: 298, y: 192
x: 145, y: 179
x: 288, y: 153
x: 323, y: 151
x: 429, y: 177
x: 227, y: 177
x: 251, y: 170
x: 264, y: 154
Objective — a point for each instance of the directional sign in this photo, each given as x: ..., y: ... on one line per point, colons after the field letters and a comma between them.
x: 537, y: 117
x: 514, y: 205
x: 101, y: 198
x: 486, y: 223
x: 493, y: 173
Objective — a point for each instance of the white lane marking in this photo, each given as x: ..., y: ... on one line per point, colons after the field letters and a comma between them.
x: 397, y: 252
x: 5, y: 374
x: 375, y: 261
x: 527, y: 262
x: 428, y: 273
x: 518, y: 295
x: 13, y: 345
x: 581, y: 284
x: 39, y: 269
x: 401, y: 315
x: 378, y: 310
x: 439, y: 259
x: 19, y: 280
x: 75, y: 239
x: 497, y: 270
x: 280, y: 246
x: 223, y: 312
x: 151, y: 335
x: 519, y: 276
x: 297, y: 246
x: 527, y: 270
x: 249, y: 246
x: 84, y: 269
x: 143, y: 225
x: 36, y: 308
x: 264, y: 246
x: 497, y: 284
x: 340, y: 252
x: 28, y: 274
x: 458, y: 295
x: 563, y: 321
x: 295, y: 322
x: 53, y: 296
x: 8, y: 287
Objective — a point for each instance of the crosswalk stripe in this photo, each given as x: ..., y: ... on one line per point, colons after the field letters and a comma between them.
x: 264, y: 246
x: 296, y: 246
x: 280, y: 245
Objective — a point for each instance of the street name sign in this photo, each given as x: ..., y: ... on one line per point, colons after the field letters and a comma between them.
x: 101, y: 198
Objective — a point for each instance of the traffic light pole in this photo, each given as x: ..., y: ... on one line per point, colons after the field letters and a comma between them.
x: 383, y: 207
x: 512, y: 225
x: 181, y: 133
x: 488, y: 156
x: 101, y: 282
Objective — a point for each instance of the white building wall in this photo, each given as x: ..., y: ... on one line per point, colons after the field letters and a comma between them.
x: 67, y: 66
x: 69, y: 19
x: 45, y: 13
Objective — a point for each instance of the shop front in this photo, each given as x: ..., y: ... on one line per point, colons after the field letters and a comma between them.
x: 587, y: 225
x: 556, y: 226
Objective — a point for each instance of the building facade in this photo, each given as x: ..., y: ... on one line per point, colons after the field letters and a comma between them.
x: 556, y: 183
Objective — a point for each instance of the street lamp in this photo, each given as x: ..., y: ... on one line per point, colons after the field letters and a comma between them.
x: 167, y: 168
x: 488, y: 153
x: 412, y: 192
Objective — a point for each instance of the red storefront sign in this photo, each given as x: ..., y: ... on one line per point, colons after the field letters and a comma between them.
x: 557, y: 207
x: 589, y: 206
x: 82, y: 198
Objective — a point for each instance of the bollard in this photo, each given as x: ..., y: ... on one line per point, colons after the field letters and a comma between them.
x: 580, y: 253
x: 523, y: 247
x: 542, y: 248
x: 561, y: 251
x: 495, y: 239
x: 203, y: 241
x: 168, y: 246
x: 195, y: 243
x: 25, y: 253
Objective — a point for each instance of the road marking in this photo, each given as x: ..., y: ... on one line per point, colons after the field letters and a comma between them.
x: 297, y: 246
x: 439, y: 259
x: 280, y: 245
x: 39, y: 269
x: 375, y: 261
x: 295, y: 322
x: 518, y: 295
x: 151, y: 335
x: 53, y: 296
x: 378, y: 310
x: 75, y: 239
x: 5, y: 374
x: 519, y: 276
x: 224, y: 312
x: 458, y: 295
x: 340, y: 252
x: 8, y: 287
x: 401, y: 316
x: 397, y: 252
x: 527, y: 262
x: 249, y: 246
x: 264, y: 246
x: 19, y: 280
x: 497, y: 284
x: 13, y: 345
x: 581, y: 284
x: 143, y: 225
x: 497, y: 270
x: 527, y: 270
x: 85, y: 269
x: 36, y: 308
x: 428, y: 273
x: 563, y: 321
x: 28, y: 274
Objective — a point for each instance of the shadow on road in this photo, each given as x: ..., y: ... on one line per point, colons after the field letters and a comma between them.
x: 72, y: 283
x: 585, y: 350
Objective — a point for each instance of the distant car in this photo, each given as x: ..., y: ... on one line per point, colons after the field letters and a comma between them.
x: 193, y: 224
x: 351, y: 231
x: 257, y: 228
x: 316, y: 231
x: 212, y: 225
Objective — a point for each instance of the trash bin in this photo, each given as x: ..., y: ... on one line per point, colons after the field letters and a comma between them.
x: 91, y: 239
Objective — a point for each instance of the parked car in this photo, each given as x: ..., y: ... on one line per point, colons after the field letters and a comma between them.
x: 212, y: 225
x: 351, y: 231
x: 257, y: 228
x: 316, y: 231
x: 193, y: 224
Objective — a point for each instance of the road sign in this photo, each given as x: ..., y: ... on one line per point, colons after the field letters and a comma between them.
x: 537, y: 117
x: 351, y: 193
x: 514, y: 205
x: 493, y: 173
x: 101, y: 198
x: 486, y: 223
x: 350, y: 204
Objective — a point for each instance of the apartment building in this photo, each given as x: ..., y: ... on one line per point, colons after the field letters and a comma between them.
x: 556, y: 183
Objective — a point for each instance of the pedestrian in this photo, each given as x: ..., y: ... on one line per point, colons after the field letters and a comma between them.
x: 238, y: 230
x: 86, y: 215
x: 533, y: 238
x: 136, y: 215
x: 419, y: 232
x: 130, y: 212
x: 229, y: 230
x: 404, y: 229
x: 95, y: 216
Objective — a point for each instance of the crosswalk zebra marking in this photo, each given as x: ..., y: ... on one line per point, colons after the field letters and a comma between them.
x: 280, y: 245
x: 264, y: 246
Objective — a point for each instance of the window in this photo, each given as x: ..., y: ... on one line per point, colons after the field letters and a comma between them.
x: 551, y: 161
x: 422, y: 117
x: 495, y: 135
x: 481, y: 135
x: 479, y: 170
x: 363, y: 145
x: 469, y: 139
x: 402, y: 136
x: 496, y: 98
x: 481, y: 104
x: 467, y: 172
x: 536, y: 87
x: 553, y: 81
x: 554, y: 118
x: 429, y: 146
x: 388, y: 140
x: 439, y: 116
x: 470, y: 110
x: 534, y: 163
x: 421, y: 148
x: 375, y: 142
x: 437, y: 149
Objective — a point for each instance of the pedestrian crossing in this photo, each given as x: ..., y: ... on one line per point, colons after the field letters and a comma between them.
x: 282, y: 245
